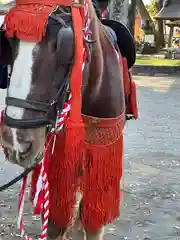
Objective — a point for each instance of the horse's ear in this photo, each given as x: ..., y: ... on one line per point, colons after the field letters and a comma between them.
x: 65, y: 44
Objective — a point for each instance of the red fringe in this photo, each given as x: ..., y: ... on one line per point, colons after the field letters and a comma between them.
x: 95, y: 169
x: 68, y: 156
x: 34, y: 178
x: 129, y: 90
x: 133, y: 108
x: 29, y: 18
x: 127, y: 87
x: 62, y: 185
x: 101, y: 189
x: 43, y: 2
x: 100, y: 184
x: 64, y: 175
x: 27, y: 26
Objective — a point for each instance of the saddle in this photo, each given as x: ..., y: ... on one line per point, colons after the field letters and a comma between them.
x: 120, y: 35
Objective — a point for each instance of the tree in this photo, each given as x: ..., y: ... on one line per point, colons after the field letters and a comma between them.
x: 143, y: 11
x: 160, y: 26
x: 153, y: 9
x: 132, y: 16
x: 118, y: 11
x: 148, y: 24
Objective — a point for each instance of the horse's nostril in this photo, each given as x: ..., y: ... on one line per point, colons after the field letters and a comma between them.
x: 25, y: 147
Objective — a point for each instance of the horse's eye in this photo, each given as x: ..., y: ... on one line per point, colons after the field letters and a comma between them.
x: 35, y: 51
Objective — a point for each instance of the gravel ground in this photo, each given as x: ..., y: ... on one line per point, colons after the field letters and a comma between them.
x: 150, y: 209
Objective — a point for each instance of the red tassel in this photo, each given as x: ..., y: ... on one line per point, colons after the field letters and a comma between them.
x: 101, y: 189
x: 74, y: 139
x: 98, y: 173
x: 29, y: 18
x: 103, y: 171
x: 63, y: 181
x: 127, y: 86
x: 67, y: 159
x: 129, y: 90
x: 27, y: 26
x: 34, y: 178
x: 133, y: 108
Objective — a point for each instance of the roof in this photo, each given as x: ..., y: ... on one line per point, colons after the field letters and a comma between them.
x: 170, y: 11
x: 173, y: 23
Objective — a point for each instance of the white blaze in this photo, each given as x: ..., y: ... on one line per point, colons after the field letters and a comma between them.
x: 20, y: 82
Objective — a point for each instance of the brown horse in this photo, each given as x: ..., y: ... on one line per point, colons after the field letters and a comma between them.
x: 38, y: 71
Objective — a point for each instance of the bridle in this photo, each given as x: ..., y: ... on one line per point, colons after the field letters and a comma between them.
x: 51, y: 108
x: 55, y: 105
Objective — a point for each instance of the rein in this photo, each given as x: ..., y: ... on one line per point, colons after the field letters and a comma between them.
x: 49, y: 109
x: 16, y: 179
x: 23, y: 174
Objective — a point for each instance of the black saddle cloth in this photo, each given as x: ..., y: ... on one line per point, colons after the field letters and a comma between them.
x: 124, y: 38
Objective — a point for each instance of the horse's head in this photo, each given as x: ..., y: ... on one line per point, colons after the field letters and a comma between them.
x: 38, y: 86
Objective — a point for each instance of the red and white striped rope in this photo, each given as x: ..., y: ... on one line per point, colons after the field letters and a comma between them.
x: 45, y: 205
x: 42, y: 187
x: 63, y: 115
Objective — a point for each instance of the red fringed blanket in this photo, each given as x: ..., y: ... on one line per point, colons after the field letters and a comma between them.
x: 96, y: 174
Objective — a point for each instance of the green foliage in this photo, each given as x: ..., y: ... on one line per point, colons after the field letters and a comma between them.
x: 157, y: 62
x: 152, y: 8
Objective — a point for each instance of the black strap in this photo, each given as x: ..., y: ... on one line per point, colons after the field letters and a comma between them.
x: 28, y: 123
x: 16, y: 179
x: 28, y: 104
x: 22, y: 175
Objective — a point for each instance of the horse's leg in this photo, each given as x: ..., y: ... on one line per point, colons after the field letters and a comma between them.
x: 89, y: 235
x: 78, y: 231
x: 55, y: 233
x: 95, y: 236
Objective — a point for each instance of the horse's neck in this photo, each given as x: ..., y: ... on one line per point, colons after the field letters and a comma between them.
x: 97, y: 62
x: 103, y: 95
x: 95, y: 66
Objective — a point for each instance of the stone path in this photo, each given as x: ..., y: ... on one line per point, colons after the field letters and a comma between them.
x: 151, y: 208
